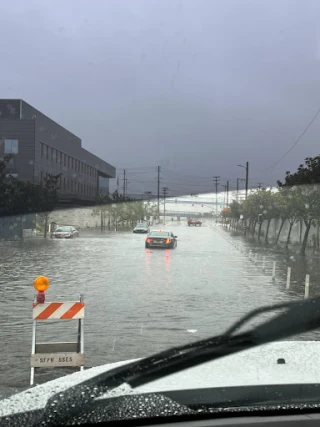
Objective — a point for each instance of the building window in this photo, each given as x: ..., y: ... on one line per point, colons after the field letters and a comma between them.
x: 11, y: 146
x: 61, y: 158
x: 46, y: 149
x: 41, y: 177
x: 41, y: 149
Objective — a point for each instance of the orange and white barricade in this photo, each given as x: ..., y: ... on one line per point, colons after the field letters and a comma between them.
x: 56, y: 354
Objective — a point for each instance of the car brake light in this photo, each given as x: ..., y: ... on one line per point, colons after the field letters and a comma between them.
x: 149, y: 240
x: 167, y: 240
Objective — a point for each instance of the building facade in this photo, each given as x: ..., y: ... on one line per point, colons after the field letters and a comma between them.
x: 41, y: 146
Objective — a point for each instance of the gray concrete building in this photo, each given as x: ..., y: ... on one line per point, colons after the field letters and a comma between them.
x: 41, y: 146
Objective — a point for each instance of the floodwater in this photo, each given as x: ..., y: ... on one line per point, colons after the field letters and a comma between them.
x: 137, y: 301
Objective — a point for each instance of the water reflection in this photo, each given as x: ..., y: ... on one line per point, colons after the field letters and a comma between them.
x: 138, y: 301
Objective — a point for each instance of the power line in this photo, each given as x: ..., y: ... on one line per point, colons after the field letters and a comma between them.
x: 184, y: 175
x: 297, y: 141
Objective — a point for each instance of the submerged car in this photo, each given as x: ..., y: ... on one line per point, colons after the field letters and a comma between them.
x: 161, y: 239
x: 66, y: 232
x: 142, y: 227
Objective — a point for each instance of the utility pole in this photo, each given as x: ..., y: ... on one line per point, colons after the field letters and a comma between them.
x: 246, y: 167
x: 216, y: 180
x: 247, y: 178
x: 227, y: 193
x: 224, y: 193
x: 159, y: 193
x: 165, y: 191
x: 124, y: 184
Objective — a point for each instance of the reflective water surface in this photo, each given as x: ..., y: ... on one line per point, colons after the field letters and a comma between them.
x: 138, y: 301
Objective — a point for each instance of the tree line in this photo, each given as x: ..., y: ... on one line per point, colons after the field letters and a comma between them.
x: 297, y: 200
x: 114, y: 210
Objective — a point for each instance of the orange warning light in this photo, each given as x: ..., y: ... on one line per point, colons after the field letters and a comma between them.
x: 41, y: 283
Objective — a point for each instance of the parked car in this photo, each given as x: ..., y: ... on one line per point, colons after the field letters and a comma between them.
x: 161, y: 239
x: 195, y: 222
x: 142, y: 227
x: 66, y: 232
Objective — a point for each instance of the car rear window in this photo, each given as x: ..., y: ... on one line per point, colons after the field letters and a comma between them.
x: 60, y: 229
x: 159, y: 233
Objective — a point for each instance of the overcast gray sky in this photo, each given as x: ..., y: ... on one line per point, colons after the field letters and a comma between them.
x: 197, y: 86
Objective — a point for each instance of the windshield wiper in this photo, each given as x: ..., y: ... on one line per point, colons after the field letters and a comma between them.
x: 298, y: 317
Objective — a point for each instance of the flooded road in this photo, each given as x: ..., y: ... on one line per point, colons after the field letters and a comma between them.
x: 138, y: 301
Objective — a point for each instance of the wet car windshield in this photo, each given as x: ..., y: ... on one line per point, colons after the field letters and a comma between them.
x: 180, y: 140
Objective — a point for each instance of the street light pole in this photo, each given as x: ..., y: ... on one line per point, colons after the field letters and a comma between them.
x: 238, y: 181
